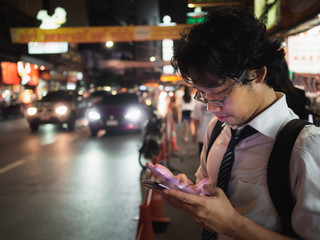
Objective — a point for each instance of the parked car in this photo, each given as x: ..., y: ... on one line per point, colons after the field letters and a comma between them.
x: 122, y: 111
x: 13, y: 110
x: 57, y: 107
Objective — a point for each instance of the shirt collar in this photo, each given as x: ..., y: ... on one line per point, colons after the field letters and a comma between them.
x: 271, y: 120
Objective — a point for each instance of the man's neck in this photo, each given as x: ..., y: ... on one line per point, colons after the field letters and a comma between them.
x: 269, y: 98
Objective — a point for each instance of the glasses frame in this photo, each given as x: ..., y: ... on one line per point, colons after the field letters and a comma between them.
x: 219, y: 103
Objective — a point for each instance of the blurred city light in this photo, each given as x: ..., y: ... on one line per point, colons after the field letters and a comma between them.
x: 109, y: 44
x: 152, y: 59
x: 54, y: 21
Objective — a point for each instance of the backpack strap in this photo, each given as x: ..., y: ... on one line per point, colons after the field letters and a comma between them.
x: 215, y: 133
x: 278, y: 172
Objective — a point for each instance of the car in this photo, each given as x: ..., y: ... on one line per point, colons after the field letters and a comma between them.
x: 121, y: 111
x: 95, y: 97
x: 58, y: 107
x: 13, y: 110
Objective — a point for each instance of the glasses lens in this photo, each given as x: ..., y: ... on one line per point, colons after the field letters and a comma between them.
x: 199, y: 97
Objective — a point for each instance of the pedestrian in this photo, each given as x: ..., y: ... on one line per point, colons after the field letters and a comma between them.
x: 200, y: 118
x: 227, y: 58
x: 186, y: 105
x: 178, y: 98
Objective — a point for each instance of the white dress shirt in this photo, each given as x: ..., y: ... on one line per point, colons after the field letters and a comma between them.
x: 248, y: 190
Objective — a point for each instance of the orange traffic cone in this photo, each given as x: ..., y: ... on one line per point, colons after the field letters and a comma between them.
x: 163, y: 156
x: 174, y: 145
x: 155, y: 160
x: 159, y: 222
x: 144, y: 230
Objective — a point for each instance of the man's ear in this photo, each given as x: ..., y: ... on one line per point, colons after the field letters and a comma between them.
x: 260, y: 74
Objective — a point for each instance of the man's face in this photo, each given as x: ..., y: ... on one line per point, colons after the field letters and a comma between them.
x: 241, y: 105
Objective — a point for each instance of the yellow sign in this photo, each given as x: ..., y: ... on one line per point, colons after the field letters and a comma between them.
x: 97, y: 34
x: 215, y: 3
x: 170, y: 78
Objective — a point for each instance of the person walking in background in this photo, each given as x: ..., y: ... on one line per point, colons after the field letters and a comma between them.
x: 227, y: 58
x: 178, y: 98
x: 186, y: 105
x: 200, y: 118
x: 296, y: 98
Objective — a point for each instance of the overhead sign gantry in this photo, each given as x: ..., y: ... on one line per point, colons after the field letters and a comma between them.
x: 97, y: 34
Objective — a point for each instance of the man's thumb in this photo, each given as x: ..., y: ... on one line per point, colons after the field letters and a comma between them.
x: 209, y: 190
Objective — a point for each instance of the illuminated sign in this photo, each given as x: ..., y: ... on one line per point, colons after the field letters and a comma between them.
x: 167, y: 53
x: 10, y: 73
x: 122, y: 64
x: 170, y: 78
x: 29, y: 73
x: 73, y: 76
x: 268, y: 12
x: 97, y: 34
x: 49, y: 22
x: 212, y: 3
x: 304, y: 53
x: 167, y: 47
x: 19, y: 73
x: 47, y: 47
x: 196, y: 16
x: 54, y: 21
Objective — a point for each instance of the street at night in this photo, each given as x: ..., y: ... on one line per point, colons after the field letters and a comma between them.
x: 56, y: 184
x: 60, y: 185
x: 159, y: 119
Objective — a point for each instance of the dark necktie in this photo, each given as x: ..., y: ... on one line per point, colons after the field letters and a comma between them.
x: 224, y: 174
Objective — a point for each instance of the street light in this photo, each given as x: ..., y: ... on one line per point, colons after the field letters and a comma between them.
x: 152, y: 59
x: 109, y: 44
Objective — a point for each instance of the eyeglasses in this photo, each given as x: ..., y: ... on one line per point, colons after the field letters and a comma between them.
x: 218, y: 103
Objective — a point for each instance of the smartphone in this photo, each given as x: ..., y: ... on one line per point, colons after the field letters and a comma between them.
x: 154, y: 185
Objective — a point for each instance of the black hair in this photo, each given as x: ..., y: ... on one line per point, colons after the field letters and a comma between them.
x: 295, y: 97
x: 228, y: 42
x: 281, y: 71
x: 187, y: 95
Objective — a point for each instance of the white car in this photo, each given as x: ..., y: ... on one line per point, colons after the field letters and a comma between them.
x: 57, y: 107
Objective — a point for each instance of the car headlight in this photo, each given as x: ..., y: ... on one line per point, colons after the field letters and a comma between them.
x: 93, y: 115
x: 61, y: 110
x: 133, y: 114
x: 32, y: 111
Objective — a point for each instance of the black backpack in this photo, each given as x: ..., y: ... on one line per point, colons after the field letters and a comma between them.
x: 278, y: 176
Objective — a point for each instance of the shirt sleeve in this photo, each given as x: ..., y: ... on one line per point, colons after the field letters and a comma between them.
x: 305, y: 183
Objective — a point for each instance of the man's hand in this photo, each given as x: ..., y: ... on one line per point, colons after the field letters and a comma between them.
x: 178, y: 182
x: 213, y: 212
x: 209, y: 207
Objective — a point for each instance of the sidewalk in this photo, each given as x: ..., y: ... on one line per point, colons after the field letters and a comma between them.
x: 181, y: 226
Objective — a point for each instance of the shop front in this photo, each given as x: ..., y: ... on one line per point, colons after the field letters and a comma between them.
x: 297, y: 24
x: 303, y: 56
x: 18, y: 82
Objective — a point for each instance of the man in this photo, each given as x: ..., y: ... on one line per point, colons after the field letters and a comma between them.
x: 226, y: 58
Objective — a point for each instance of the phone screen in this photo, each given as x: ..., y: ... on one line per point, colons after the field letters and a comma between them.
x: 154, y: 185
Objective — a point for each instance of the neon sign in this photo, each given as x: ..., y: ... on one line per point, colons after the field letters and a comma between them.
x: 54, y: 21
